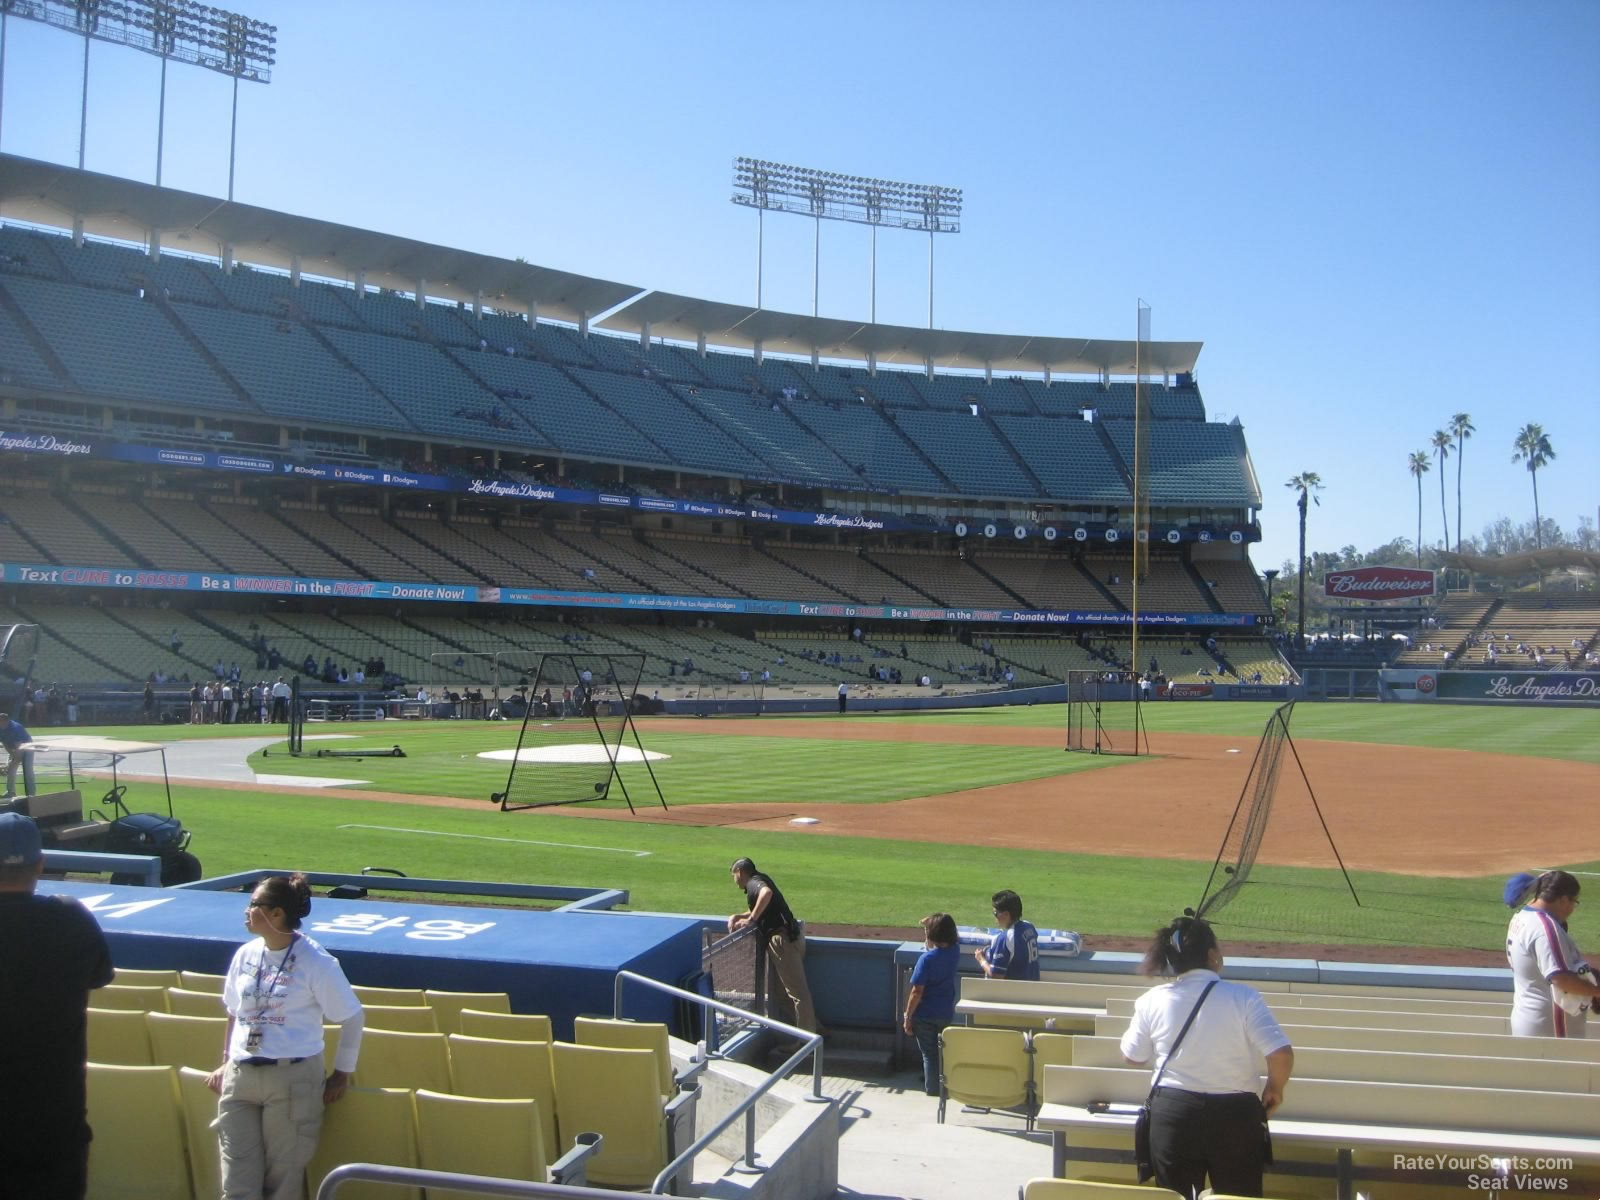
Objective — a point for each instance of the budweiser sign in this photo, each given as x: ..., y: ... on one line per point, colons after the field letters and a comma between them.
x: 1378, y: 583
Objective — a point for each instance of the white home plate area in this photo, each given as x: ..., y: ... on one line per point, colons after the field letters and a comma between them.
x: 588, y: 753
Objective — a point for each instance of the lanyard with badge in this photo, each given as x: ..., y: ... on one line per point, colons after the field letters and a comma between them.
x: 263, y: 993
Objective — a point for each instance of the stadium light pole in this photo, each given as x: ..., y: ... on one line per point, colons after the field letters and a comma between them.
x: 828, y: 195
x: 196, y: 34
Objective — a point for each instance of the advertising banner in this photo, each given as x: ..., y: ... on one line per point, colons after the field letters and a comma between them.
x: 1189, y: 691
x: 1378, y: 583
x: 374, y: 589
x: 84, y: 446
x: 1520, y: 687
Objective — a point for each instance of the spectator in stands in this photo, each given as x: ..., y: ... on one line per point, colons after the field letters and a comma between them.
x: 769, y: 912
x: 19, y: 753
x: 931, y: 1004
x: 1554, y: 987
x: 281, y: 988
x: 52, y: 954
x: 1206, y: 1117
x: 1013, y: 952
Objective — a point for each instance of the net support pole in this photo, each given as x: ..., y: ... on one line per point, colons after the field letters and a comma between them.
x: 1306, y: 779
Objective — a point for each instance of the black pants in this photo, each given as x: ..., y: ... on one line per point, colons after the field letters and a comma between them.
x: 1195, y: 1134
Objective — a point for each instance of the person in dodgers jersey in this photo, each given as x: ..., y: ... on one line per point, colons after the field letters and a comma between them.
x: 1013, y: 953
x: 1554, y: 986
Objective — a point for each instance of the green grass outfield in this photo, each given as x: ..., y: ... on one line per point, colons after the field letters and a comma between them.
x: 844, y: 880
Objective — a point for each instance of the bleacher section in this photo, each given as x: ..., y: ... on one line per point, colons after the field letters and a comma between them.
x: 1534, y: 632
x: 1191, y: 462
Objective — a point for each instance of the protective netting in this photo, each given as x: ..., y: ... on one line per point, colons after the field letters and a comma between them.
x: 1249, y: 823
x: 572, y: 730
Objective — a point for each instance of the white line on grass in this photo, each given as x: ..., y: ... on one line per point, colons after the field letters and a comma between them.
x: 482, y: 837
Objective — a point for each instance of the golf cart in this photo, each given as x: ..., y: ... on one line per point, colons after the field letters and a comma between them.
x: 111, y: 828
x: 63, y: 825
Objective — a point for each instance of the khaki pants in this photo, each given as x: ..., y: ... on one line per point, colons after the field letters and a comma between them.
x: 268, y: 1122
x: 789, y: 959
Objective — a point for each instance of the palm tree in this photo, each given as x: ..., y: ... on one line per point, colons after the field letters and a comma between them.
x: 1441, y: 451
x: 1533, y: 447
x: 1461, y: 426
x: 1419, y: 465
x: 1305, y: 483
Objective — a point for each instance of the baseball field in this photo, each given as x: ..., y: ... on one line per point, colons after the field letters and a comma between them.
x: 1429, y: 808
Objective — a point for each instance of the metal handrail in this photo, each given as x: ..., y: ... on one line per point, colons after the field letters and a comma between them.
x: 486, y: 1185
x: 811, y: 1044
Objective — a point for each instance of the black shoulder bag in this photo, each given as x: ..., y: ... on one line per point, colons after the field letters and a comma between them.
x: 1143, y: 1163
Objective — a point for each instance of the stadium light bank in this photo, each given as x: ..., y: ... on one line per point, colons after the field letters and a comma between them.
x: 764, y: 185
x: 226, y: 42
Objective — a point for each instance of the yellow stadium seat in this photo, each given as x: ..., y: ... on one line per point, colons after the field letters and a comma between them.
x: 447, y: 1006
x: 130, y: 997
x: 199, y: 981
x: 118, y: 1036
x: 183, y: 1041
x: 142, y: 977
x: 986, y: 1068
x: 403, y: 1060
x: 1083, y: 1189
x: 199, y: 1105
x: 510, y: 1027
x: 615, y: 1093
x: 194, y: 1004
x: 389, y: 996
x: 478, y: 1136
x: 139, y: 1145
x: 630, y: 1035
x: 1051, y: 1050
x: 503, y: 1070
x: 401, y: 1018
x: 367, y: 1125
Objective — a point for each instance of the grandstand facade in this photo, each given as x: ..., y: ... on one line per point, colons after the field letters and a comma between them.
x: 446, y: 450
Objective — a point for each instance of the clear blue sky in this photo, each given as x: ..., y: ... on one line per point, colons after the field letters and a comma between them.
x: 1373, y: 214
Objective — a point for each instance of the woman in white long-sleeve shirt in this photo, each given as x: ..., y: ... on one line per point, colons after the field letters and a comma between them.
x: 1554, y: 987
x: 1208, y: 1115
x: 280, y: 989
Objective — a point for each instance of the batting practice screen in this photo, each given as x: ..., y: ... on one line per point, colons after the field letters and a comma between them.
x: 571, y: 735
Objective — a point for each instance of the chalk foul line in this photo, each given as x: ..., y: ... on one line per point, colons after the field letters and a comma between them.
x: 482, y: 837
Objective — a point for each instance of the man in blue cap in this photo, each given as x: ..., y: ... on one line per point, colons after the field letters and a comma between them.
x: 51, y: 954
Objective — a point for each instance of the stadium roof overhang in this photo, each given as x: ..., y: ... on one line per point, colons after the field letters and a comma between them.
x: 44, y: 193
x: 48, y: 194
x: 737, y: 326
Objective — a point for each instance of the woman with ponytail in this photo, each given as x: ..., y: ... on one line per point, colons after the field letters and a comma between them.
x: 280, y: 989
x: 1211, y: 1042
x: 1554, y: 987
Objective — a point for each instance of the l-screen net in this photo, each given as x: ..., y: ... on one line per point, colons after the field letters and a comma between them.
x: 567, y: 749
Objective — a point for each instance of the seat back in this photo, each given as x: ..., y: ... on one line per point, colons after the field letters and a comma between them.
x: 200, y: 981
x: 447, y: 1006
x: 180, y: 1041
x: 984, y: 1067
x: 402, y: 1018
x: 512, y: 1027
x: 1052, y: 1050
x: 613, y: 1093
x: 504, y: 1070
x: 381, y: 995
x: 118, y: 1036
x: 194, y: 1004
x: 131, y: 997
x: 373, y: 1125
x: 136, y: 977
x: 138, y: 1134
x: 403, y: 1060
x: 479, y: 1136
x: 630, y: 1035
x: 1084, y: 1189
x: 199, y: 1105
